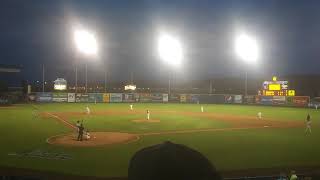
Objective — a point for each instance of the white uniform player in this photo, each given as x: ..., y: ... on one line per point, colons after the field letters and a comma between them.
x: 88, y: 136
x: 259, y: 115
x: 131, y: 107
x: 316, y: 106
x: 148, y: 114
x: 202, y: 109
x: 88, y: 110
x: 308, y: 124
x: 35, y: 113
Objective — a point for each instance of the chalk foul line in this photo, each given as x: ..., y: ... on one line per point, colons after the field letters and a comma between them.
x: 62, y: 120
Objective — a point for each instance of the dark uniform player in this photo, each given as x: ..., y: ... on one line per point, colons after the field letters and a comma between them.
x: 80, y: 134
x: 78, y: 124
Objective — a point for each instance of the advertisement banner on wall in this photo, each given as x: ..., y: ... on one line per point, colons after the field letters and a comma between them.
x: 32, y: 97
x: 258, y: 99
x: 228, y: 99
x: 99, y: 97
x: 60, y: 97
x: 165, y: 98
x: 106, y: 97
x: 115, y: 97
x: 174, y: 98
x: 129, y: 97
x: 183, y: 98
x: 71, y: 97
x: 188, y: 98
x: 95, y: 97
x: 92, y: 97
x: 237, y: 99
x: 212, y: 98
x: 145, y: 97
x: 266, y: 100
x: 137, y: 97
x: 44, y: 97
x: 4, y: 100
x: 301, y: 101
x: 249, y: 99
x: 82, y: 97
x: 157, y: 97
x: 279, y: 100
x: 194, y: 98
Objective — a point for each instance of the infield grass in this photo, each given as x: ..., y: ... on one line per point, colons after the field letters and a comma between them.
x: 228, y: 150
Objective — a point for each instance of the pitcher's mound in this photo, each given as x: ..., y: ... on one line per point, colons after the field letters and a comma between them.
x: 96, y: 139
x: 146, y: 121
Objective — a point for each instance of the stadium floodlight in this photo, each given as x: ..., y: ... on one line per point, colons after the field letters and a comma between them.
x: 170, y: 49
x: 85, y: 42
x: 246, y: 48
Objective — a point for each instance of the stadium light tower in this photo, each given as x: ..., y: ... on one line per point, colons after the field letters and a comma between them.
x: 170, y: 51
x: 86, y: 44
x: 246, y: 48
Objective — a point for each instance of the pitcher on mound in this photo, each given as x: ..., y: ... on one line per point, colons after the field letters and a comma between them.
x: 88, y: 110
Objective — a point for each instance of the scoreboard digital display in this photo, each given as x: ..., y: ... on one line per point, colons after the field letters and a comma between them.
x: 278, y: 93
x: 276, y: 88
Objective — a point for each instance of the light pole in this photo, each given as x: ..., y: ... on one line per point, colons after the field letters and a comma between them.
x: 86, y: 44
x: 246, y: 48
x: 105, y: 81
x: 43, y: 78
x: 170, y: 51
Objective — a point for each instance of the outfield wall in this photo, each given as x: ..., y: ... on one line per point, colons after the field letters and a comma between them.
x: 299, y: 101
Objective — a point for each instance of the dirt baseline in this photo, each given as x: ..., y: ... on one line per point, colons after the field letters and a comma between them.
x: 97, y: 139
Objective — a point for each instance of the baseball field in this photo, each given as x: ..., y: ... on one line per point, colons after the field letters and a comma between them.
x: 232, y: 137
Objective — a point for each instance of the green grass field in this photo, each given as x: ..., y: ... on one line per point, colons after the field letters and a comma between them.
x: 228, y: 150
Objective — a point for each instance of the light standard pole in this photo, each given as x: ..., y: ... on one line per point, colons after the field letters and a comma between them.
x: 170, y: 51
x: 169, y: 85
x: 247, y: 49
x: 246, y: 84
x: 86, y: 77
x: 42, y: 77
x: 86, y: 44
x: 105, y: 81
x: 76, y: 71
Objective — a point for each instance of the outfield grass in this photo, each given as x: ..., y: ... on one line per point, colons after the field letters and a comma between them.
x: 228, y: 150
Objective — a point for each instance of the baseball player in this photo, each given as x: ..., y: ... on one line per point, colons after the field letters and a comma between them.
x: 78, y: 124
x: 80, y: 133
x: 131, y: 107
x: 35, y: 113
x: 87, y: 135
x: 259, y: 115
x: 88, y: 110
x: 148, y: 114
x: 308, y: 124
x: 202, y: 109
x: 316, y: 106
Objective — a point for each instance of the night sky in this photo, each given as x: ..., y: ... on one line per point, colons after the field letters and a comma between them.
x: 39, y: 32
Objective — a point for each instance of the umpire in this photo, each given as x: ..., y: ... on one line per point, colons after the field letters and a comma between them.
x: 80, y: 133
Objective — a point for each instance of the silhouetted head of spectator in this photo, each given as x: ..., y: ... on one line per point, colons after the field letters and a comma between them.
x: 169, y: 161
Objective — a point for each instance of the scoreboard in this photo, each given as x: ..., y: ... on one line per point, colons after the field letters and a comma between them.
x: 278, y: 93
x: 276, y: 88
